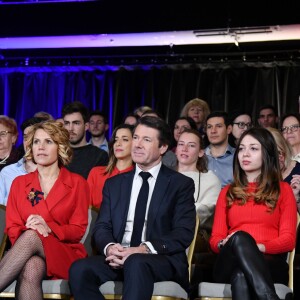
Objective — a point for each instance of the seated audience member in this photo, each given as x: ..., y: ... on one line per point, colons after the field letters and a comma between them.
x: 9, y: 154
x: 22, y: 167
x: 267, y: 116
x: 85, y: 156
x: 98, y: 128
x: 43, y: 115
x: 46, y: 215
x: 219, y: 152
x: 120, y: 161
x: 198, y: 110
x: 290, y: 128
x: 290, y: 169
x: 140, y: 110
x: 163, y: 226
x: 240, y: 121
x: 192, y: 162
x: 182, y: 124
x: 255, y: 221
x: 131, y: 119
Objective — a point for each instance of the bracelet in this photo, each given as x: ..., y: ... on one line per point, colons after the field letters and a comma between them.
x: 220, y: 244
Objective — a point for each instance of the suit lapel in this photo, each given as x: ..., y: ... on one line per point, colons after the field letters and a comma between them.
x: 124, y: 201
x: 159, y: 192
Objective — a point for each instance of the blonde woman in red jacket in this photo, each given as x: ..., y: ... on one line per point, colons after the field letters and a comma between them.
x: 255, y: 221
x: 46, y: 215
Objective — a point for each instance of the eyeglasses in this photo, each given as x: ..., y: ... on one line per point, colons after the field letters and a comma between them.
x: 242, y: 125
x: 4, y: 133
x: 292, y: 128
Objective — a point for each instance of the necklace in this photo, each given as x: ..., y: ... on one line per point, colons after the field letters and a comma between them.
x: 198, y: 188
x: 3, y: 161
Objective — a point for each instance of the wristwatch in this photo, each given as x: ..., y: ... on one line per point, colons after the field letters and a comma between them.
x: 220, y: 244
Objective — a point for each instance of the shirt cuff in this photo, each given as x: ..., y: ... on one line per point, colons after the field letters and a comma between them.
x: 107, y: 247
x: 151, y: 248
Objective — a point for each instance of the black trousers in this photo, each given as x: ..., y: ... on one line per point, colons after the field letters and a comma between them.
x: 248, y: 270
x: 139, y: 273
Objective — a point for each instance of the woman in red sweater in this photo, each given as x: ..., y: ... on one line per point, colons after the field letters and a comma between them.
x: 255, y: 221
x: 120, y: 161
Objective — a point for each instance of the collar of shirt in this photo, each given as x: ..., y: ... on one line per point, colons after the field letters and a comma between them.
x: 229, y: 150
x: 153, y: 171
x: 296, y: 157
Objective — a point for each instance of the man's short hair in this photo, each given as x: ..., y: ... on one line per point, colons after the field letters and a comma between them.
x: 101, y: 114
x: 164, y: 136
x: 74, y: 107
x: 219, y: 114
x: 30, y: 122
x: 268, y: 106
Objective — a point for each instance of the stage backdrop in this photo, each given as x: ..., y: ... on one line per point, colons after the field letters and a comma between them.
x: 118, y: 90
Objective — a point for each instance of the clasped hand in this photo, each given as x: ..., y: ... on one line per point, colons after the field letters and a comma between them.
x: 117, y: 254
x: 36, y: 222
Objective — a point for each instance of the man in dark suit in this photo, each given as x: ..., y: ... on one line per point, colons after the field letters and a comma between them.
x: 166, y: 231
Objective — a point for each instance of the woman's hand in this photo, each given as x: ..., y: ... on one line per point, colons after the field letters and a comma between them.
x: 36, y: 222
x: 295, y: 185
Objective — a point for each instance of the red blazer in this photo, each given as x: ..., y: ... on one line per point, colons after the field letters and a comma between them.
x: 65, y: 210
x: 96, y: 180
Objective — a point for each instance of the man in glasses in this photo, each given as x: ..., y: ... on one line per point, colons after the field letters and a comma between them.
x: 240, y: 121
x: 267, y: 116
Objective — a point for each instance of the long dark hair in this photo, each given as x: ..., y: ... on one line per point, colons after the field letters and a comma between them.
x: 268, y: 182
x: 112, y: 161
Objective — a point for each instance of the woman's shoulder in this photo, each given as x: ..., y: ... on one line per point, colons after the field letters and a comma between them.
x: 98, y: 170
x: 210, y: 175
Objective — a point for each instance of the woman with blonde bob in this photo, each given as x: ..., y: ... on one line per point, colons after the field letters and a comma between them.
x: 255, y: 221
x: 46, y: 214
x: 198, y: 110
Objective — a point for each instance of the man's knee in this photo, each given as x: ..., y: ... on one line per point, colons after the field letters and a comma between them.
x: 136, y: 261
x: 78, y: 270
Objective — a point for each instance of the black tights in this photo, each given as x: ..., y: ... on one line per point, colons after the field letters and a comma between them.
x: 24, y: 262
x: 242, y: 264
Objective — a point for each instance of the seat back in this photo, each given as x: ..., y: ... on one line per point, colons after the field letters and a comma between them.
x: 191, y: 248
x: 87, y: 238
x: 290, y: 260
x: 3, y: 236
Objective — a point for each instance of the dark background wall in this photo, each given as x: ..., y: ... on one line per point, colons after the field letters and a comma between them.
x: 117, y: 80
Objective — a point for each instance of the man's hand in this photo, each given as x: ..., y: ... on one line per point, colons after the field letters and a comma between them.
x: 117, y: 254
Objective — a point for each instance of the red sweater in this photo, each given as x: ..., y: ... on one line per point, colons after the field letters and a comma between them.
x: 96, y: 180
x: 276, y: 230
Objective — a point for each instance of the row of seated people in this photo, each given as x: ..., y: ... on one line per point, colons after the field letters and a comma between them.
x: 47, y: 215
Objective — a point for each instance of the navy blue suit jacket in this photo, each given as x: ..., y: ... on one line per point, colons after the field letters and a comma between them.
x: 171, y: 216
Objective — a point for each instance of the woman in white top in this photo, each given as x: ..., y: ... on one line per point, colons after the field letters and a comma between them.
x: 192, y: 162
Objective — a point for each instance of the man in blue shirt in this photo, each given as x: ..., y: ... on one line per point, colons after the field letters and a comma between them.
x: 219, y: 152
x: 98, y: 127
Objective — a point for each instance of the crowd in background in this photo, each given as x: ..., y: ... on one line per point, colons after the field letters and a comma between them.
x: 206, y: 147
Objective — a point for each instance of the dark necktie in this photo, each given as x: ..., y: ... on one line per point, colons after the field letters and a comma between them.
x: 140, y: 211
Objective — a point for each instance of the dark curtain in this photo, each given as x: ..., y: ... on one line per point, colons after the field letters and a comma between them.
x: 119, y: 90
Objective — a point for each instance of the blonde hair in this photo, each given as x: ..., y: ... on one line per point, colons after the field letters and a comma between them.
x: 58, y: 134
x: 282, y: 145
x: 196, y: 102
